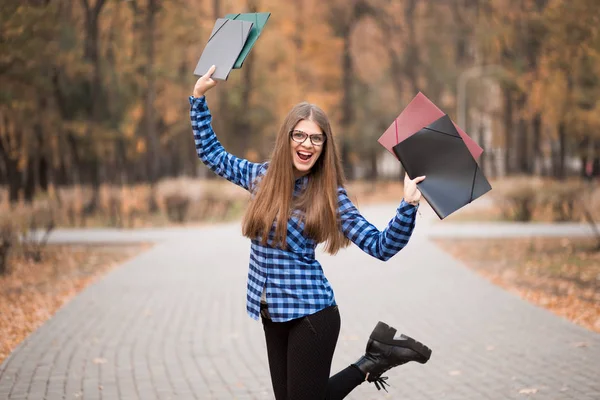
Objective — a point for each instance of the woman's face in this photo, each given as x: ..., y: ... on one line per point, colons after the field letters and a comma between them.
x: 306, y: 154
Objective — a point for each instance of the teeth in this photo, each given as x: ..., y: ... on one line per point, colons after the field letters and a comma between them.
x: 305, y: 154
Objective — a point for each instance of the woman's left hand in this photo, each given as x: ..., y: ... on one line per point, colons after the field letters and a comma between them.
x: 412, y: 194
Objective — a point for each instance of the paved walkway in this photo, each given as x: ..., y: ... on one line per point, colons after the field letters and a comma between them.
x: 171, y: 324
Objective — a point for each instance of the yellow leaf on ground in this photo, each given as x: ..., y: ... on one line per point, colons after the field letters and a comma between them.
x: 528, y: 391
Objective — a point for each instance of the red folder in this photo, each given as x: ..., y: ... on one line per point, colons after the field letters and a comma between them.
x: 419, y: 113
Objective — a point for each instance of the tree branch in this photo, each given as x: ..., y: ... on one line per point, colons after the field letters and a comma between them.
x: 98, y: 7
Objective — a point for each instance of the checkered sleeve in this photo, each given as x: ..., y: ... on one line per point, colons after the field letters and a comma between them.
x: 211, y: 152
x: 379, y: 244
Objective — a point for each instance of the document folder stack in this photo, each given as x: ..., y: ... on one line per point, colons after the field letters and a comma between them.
x: 229, y: 43
x: 427, y: 142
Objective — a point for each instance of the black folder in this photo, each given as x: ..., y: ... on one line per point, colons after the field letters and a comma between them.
x: 453, y: 177
x: 225, y: 44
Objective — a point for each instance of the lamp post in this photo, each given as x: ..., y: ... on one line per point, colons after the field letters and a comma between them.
x: 477, y: 71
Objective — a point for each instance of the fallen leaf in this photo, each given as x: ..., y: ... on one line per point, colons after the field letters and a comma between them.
x: 99, y: 360
x: 528, y: 391
x: 455, y: 373
x: 539, y: 270
x: 31, y: 293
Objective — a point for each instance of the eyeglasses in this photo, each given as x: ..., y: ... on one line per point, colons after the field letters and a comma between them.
x: 317, y: 139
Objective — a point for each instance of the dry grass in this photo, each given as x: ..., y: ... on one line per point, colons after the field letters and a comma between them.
x: 560, y: 274
x: 32, y: 292
x: 533, y: 199
x: 187, y: 201
x: 551, y: 201
x: 487, y: 213
x: 182, y: 201
x: 545, y: 200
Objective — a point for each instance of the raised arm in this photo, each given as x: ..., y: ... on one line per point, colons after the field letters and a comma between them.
x: 211, y: 152
x: 379, y: 244
x: 209, y: 149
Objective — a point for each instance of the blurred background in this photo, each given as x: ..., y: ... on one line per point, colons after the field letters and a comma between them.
x: 94, y: 109
x: 95, y: 130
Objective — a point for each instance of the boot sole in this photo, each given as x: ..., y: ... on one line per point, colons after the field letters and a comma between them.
x: 385, y: 334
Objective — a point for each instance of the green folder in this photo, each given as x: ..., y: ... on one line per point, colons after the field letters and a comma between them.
x: 259, y: 20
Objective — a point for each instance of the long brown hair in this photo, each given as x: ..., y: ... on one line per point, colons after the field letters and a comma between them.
x: 318, y: 203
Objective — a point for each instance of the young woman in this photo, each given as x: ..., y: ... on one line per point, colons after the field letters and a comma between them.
x: 298, y: 202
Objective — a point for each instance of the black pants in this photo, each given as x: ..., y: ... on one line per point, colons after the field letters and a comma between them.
x: 300, y: 354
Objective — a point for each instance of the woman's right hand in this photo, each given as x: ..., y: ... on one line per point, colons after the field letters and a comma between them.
x: 204, y: 83
x: 412, y: 195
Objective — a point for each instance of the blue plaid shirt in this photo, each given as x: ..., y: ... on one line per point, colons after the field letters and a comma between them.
x: 293, y: 279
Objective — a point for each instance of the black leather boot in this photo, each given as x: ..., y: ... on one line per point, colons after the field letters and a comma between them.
x: 385, y: 350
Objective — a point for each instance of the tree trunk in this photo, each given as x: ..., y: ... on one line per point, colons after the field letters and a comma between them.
x: 347, y: 72
x: 395, y: 58
x: 38, y: 174
x: 91, y: 54
x: 347, y: 115
x: 13, y: 176
x: 76, y: 167
x: 524, y: 158
x: 560, y: 170
x: 561, y: 155
x: 596, y: 160
x: 242, y: 121
x: 483, y: 159
x: 43, y: 173
x: 14, y: 183
x: 585, y: 151
x: 463, y: 12
x: 536, y: 130
x: 29, y: 184
x: 508, y: 131
x: 373, y: 172
x: 153, y: 155
x: 412, y: 59
x: 299, y: 33
x: 10, y: 163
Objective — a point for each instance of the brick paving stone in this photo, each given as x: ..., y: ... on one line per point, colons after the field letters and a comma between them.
x: 171, y: 324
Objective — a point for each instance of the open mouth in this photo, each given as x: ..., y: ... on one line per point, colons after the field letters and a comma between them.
x: 304, y: 156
